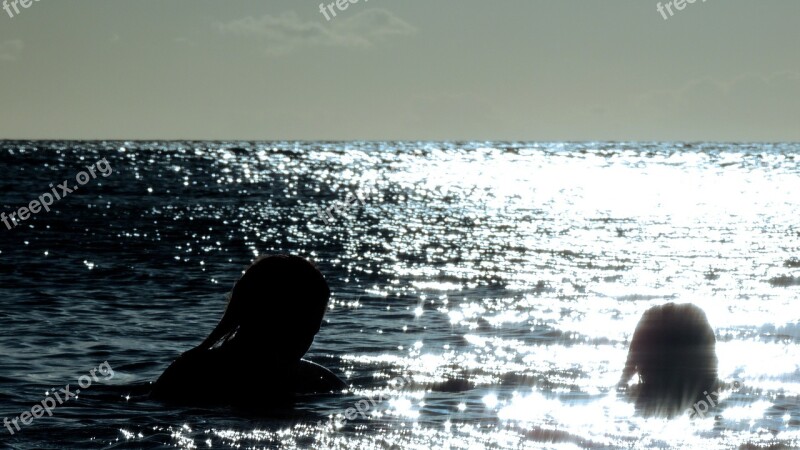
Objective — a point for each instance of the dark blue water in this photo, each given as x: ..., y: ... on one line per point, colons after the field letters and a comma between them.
x: 504, y: 278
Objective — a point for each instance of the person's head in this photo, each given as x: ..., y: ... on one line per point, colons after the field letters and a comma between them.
x: 673, y: 352
x: 277, y: 306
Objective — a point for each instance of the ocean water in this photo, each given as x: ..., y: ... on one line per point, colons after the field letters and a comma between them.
x: 503, y: 278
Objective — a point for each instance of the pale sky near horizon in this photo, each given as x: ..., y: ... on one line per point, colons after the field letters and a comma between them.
x: 724, y: 70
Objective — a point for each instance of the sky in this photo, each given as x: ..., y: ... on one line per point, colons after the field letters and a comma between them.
x: 539, y: 70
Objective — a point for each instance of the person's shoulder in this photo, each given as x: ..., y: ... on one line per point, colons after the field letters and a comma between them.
x: 312, y: 378
x: 205, y: 377
x: 186, y: 377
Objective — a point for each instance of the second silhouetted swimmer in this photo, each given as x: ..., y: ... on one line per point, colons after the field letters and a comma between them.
x: 673, y: 352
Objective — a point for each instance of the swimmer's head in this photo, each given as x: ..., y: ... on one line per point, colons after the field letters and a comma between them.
x: 277, y: 306
x: 673, y: 352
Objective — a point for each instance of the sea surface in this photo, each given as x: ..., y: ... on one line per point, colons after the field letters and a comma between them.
x: 503, y: 278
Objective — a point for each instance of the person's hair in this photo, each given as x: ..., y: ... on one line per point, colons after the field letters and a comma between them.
x: 673, y: 351
x: 281, y: 297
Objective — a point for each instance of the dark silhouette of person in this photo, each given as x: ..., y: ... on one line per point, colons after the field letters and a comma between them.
x: 673, y: 352
x: 254, y: 355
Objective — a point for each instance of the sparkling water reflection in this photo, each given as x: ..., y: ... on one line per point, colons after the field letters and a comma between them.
x: 505, y: 278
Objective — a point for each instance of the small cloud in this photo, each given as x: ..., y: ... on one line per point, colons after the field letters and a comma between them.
x: 375, y: 24
x: 287, y: 31
x: 114, y: 38
x: 10, y: 50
